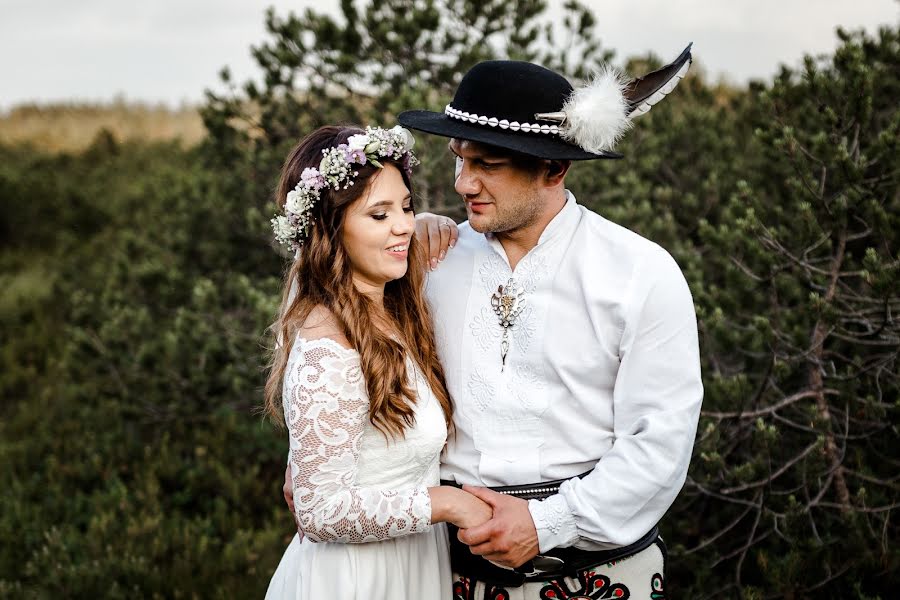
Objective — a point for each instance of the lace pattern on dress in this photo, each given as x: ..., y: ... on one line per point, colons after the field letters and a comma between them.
x: 326, y: 410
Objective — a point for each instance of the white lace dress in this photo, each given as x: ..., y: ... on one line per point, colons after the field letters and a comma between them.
x: 361, y: 499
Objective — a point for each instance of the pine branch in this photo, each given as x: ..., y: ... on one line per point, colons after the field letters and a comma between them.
x: 769, y: 409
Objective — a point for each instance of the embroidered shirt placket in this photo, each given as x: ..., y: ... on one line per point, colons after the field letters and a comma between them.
x: 508, y: 316
x: 506, y: 380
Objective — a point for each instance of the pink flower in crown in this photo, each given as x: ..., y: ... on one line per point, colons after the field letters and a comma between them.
x: 312, y: 179
x: 354, y: 155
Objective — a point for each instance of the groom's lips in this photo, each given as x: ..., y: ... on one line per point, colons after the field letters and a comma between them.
x: 477, y: 207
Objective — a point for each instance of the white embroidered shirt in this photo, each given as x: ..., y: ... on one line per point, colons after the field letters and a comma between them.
x: 602, y: 375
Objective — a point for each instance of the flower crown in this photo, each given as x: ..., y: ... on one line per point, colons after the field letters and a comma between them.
x: 336, y: 172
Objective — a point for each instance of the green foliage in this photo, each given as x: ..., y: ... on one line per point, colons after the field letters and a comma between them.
x: 801, y: 358
x: 131, y: 320
x: 137, y: 282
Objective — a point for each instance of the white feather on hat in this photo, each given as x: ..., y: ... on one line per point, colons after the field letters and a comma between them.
x: 597, y: 113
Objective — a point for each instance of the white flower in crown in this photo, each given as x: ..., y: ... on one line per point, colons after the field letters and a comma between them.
x: 336, y: 172
x: 294, y: 202
x: 358, y: 142
x: 408, y: 140
x: 284, y: 231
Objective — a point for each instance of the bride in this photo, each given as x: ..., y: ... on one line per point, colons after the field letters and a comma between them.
x: 358, y: 382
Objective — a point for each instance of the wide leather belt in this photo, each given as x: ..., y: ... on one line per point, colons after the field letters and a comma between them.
x: 530, y: 491
x: 555, y: 563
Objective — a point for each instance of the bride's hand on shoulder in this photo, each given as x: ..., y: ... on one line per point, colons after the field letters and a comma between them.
x: 436, y: 234
x: 453, y: 505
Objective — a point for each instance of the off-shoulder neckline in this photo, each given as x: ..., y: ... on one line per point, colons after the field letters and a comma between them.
x: 327, y: 341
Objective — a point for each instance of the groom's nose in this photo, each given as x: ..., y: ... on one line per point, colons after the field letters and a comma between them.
x: 467, y: 183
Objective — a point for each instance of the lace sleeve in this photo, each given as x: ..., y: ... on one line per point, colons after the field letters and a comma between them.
x: 326, y: 409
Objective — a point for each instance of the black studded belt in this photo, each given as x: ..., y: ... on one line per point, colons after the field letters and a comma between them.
x: 555, y: 563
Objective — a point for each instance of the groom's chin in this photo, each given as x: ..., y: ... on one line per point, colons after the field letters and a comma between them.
x: 479, y: 224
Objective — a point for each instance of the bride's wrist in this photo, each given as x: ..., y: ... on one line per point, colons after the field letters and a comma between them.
x: 443, y: 504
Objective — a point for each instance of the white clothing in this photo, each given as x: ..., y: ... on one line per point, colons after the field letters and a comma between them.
x: 361, y: 499
x: 637, y: 577
x: 602, y: 373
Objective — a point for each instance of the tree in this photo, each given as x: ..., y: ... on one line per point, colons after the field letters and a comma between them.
x: 373, y: 63
x: 797, y: 449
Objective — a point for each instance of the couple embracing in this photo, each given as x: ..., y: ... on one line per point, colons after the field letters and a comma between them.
x: 512, y: 422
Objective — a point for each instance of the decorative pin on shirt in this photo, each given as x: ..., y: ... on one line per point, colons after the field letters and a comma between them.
x: 507, y: 302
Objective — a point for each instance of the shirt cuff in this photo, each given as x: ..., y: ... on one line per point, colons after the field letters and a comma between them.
x: 554, y: 522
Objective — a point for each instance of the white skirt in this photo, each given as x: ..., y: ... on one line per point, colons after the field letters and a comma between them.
x: 411, y: 567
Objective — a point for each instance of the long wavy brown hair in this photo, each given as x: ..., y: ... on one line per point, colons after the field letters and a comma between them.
x: 322, y: 275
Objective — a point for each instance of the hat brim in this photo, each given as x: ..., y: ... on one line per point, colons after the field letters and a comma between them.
x: 533, y: 144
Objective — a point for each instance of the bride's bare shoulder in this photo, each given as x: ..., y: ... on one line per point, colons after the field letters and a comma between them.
x: 321, y: 323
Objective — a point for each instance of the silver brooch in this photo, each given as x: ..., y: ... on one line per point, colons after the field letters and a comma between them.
x: 507, y: 302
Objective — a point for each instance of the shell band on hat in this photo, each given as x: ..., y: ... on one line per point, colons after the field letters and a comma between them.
x: 500, y: 122
x: 596, y: 115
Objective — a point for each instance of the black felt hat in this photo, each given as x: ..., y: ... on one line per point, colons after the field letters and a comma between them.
x: 527, y: 108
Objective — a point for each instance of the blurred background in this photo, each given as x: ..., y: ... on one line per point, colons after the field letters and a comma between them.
x: 139, y: 147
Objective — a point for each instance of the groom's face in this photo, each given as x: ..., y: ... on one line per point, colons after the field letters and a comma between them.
x: 500, y: 188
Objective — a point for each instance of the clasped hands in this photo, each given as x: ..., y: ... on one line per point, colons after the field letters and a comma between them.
x: 507, y: 537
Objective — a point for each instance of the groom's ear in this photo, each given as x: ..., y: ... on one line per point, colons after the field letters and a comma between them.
x: 555, y: 171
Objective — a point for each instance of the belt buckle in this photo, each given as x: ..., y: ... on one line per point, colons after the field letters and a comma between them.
x: 541, y: 564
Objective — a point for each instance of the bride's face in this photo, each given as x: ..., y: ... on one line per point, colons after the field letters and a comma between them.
x: 378, y: 229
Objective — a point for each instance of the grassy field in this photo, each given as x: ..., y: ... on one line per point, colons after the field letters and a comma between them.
x: 72, y: 127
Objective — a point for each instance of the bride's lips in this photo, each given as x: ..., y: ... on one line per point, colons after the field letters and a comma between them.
x: 399, y: 254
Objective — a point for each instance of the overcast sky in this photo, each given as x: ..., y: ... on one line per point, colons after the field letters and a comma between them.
x: 170, y: 50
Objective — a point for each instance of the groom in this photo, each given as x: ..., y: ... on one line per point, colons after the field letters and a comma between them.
x: 569, y: 344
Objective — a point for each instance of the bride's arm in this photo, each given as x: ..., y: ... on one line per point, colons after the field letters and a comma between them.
x: 436, y: 234
x: 326, y: 409
x: 448, y: 504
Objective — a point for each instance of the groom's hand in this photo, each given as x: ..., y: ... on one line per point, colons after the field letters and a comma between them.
x: 288, y: 490
x: 509, y: 538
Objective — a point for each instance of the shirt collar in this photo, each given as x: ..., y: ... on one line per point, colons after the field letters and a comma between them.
x: 564, y: 221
